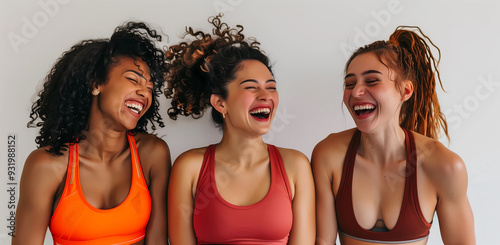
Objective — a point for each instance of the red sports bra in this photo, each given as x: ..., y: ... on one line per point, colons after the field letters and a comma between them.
x: 411, y: 225
x: 76, y: 222
x: 267, y: 222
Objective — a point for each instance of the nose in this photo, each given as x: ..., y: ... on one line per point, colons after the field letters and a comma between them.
x: 143, y: 91
x: 358, y: 90
x: 264, y: 94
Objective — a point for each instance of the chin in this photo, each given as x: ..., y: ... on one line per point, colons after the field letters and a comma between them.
x: 365, y: 127
x: 130, y: 127
x: 261, y: 132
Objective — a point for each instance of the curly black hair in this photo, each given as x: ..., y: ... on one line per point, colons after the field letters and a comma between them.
x: 63, y: 105
x: 204, y: 67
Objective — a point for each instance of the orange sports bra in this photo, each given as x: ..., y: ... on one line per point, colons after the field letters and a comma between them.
x: 268, y: 221
x: 76, y: 222
x: 411, y: 225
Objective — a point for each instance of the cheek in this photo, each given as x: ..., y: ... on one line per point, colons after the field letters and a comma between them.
x: 238, y: 102
x: 388, y: 94
x: 150, y: 104
x: 276, y: 99
x: 347, y: 95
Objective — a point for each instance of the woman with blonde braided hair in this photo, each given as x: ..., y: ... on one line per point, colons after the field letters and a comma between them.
x: 382, y: 181
x: 240, y: 190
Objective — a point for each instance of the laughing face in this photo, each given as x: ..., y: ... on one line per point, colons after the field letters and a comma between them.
x: 370, y: 93
x: 252, y: 99
x: 127, y: 93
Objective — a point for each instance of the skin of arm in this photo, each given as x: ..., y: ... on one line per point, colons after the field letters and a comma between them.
x: 448, y: 173
x: 181, y: 191
x: 326, y: 219
x: 301, y: 181
x: 158, y: 162
x: 42, y: 174
x: 327, y: 162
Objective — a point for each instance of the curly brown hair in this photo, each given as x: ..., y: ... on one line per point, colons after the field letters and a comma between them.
x: 408, y: 53
x: 203, y: 67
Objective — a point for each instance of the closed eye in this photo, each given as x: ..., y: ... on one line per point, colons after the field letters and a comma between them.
x: 349, y: 85
x: 132, y: 79
x: 372, y: 82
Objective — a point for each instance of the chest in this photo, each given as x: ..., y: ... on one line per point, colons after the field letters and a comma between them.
x: 379, y: 194
x: 103, y: 186
x: 243, y: 186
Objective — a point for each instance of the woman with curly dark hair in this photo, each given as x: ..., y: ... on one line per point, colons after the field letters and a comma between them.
x: 98, y: 177
x: 240, y: 190
x: 382, y: 182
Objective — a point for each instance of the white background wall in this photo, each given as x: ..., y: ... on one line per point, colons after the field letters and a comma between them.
x: 309, y: 42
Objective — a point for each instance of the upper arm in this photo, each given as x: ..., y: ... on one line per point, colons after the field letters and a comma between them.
x: 304, y: 225
x: 326, y: 219
x: 456, y: 221
x: 159, y: 161
x: 39, y: 182
x: 180, y: 198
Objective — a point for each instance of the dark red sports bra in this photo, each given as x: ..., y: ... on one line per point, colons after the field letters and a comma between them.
x: 411, y: 225
x: 217, y: 221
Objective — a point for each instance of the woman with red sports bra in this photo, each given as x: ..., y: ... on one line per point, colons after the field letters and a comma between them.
x: 98, y: 177
x: 382, y: 181
x: 240, y: 190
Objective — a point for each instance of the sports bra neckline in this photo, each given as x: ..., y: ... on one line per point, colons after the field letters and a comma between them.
x: 78, y: 181
x: 212, y: 149
x: 406, y: 190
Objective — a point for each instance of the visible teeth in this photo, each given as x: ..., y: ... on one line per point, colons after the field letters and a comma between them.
x: 135, y: 107
x: 261, y: 110
x: 364, y: 107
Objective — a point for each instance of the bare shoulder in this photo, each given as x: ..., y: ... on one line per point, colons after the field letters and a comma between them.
x: 150, y: 143
x: 293, y: 157
x: 153, y: 152
x: 42, y: 159
x: 298, y: 169
x: 187, y: 167
x: 331, y: 150
x: 42, y: 165
x: 438, y: 162
x: 335, y: 142
x: 190, y: 161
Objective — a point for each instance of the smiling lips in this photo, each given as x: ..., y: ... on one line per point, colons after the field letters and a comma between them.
x: 134, y: 106
x: 261, y: 113
x: 363, y: 110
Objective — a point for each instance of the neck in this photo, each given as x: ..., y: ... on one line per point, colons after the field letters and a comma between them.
x: 237, y: 149
x: 103, y: 142
x: 384, y: 146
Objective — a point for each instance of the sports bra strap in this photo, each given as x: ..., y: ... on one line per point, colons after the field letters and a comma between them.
x: 134, y: 154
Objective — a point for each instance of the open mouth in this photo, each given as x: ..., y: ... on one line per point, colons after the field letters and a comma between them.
x: 261, y: 113
x: 364, y: 109
x: 134, y: 106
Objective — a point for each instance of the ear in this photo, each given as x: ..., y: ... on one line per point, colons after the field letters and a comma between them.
x: 96, y: 91
x: 218, y: 103
x: 407, y: 90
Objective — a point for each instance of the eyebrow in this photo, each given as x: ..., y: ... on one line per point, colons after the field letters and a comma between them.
x: 138, y: 74
x: 255, y: 81
x: 364, y: 73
